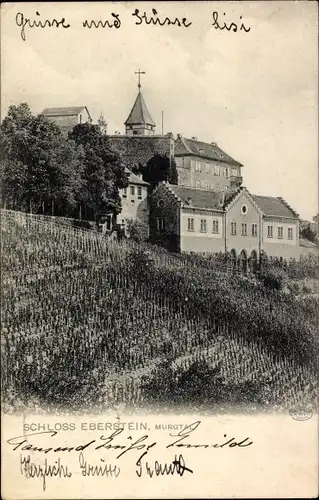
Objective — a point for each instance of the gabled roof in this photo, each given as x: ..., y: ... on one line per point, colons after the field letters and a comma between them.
x: 134, y: 179
x: 68, y: 111
x: 139, y: 114
x: 184, y: 147
x: 200, y: 198
x: 276, y: 207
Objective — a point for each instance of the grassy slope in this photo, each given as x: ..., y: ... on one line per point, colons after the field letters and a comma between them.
x: 87, y: 323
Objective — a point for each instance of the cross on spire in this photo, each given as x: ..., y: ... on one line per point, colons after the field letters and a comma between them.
x: 139, y: 73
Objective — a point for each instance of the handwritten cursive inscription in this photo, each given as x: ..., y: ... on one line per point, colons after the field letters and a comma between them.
x: 183, y: 434
x: 30, y: 469
x: 116, y: 23
x: 103, y: 469
x: 24, y: 22
x: 177, y: 466
x: 155, y: 20
x: 228, y: 26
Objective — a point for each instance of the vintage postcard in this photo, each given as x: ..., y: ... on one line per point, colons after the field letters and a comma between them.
x: 159, y: 250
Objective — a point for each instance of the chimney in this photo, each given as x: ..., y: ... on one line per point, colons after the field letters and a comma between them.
x: 194, y: 138
x: 214, y: 143
x: 179, y: 136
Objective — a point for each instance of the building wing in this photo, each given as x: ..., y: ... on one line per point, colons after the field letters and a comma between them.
x: 211, y: 151
x: 276, y: 207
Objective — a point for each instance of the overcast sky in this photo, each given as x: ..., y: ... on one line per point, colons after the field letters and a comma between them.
x: 255, y: 93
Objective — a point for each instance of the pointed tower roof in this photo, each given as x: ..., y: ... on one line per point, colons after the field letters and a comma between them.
x: 139, y: 114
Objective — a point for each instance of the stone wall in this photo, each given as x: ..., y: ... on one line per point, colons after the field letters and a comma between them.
x: 138, y: 149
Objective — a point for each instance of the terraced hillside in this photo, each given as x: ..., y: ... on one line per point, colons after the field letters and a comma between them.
x: 91, y: 323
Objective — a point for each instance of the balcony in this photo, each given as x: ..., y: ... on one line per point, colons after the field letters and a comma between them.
x: 235, y: 180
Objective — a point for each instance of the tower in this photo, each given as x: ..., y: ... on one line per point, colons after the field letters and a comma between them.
x: 139, y: 121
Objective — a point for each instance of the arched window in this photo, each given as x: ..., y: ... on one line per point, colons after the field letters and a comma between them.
x: 253, y: 262
x: 233, y: 258
x: 242, y: 261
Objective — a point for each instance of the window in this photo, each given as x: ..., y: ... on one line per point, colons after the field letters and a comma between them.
x: 234, y: 172
x: 203, y: 226
x: 215, y: 226
x: 197, y: 166
x: 244, y: 229
x: 226, y: 172
x: 290, y: 233
x: 190, y: 224
x: 139, y: 192
x: 132, y: 200
x: 280, y: 232
x: 270, y: 232
x: 217, y: 170
x: 254, y: 229
x: 217, y: 187
x: 160, y: 203
x: 160, y: 224
x: 207, y: 168
x: 125, y: 193
x: 132, y: 190
x: 244, y: 209
x: 197, y: 184
x: 233, y: 228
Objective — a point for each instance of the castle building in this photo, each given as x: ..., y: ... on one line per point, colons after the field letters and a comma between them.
x: 205, y: 166
x: 134, y: 201
x: 209, y: 210
x: 186, y: 219
x: 139, y: 121
x: 67, y: 118
x: 140, y: 143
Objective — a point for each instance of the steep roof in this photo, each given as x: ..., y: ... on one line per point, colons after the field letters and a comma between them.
x: 184, y: 147
x: 68, y: 111
x: 139, y: 114
x: 274, y: 206
x: 134, y: 179
x: 200, y: 198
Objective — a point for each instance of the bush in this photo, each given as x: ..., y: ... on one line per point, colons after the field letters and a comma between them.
x: 274, y: 278
x: 137, y: 230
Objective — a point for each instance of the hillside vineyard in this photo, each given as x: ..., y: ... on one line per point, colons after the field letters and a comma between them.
x: 93, y: 323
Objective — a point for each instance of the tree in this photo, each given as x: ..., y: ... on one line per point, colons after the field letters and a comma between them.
x: 308, y: 233
x: 160, y: 168
x: 102, y: 124
x: 40, y: 169
x: 103, y: 171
